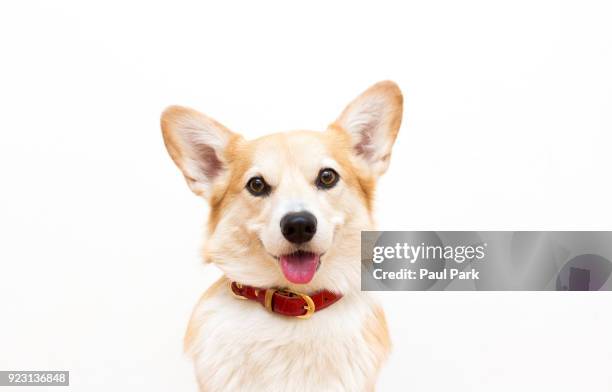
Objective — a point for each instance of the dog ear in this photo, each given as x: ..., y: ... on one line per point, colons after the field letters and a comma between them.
x: 373, y: 120
x: 197, y: 145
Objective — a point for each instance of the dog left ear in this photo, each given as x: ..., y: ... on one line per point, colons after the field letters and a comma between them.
x: 373, y: 120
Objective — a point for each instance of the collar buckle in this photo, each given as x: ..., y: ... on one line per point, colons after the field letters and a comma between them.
x: 309, y: 307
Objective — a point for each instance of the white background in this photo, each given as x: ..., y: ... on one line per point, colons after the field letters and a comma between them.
x: 507, y: 125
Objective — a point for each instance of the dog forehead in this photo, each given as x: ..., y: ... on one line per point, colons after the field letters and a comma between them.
x: 303, y: 150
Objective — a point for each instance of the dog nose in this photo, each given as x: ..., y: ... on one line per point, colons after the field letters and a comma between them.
x: 299, y: 227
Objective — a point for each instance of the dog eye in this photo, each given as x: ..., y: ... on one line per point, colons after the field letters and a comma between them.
x: 327, y: 178
x: 258, y: 187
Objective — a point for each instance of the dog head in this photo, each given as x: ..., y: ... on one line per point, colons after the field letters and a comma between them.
x: 287, y: 209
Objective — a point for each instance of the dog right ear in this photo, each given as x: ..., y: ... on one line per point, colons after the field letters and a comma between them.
x: 197, y: 145
x: 372, y: 121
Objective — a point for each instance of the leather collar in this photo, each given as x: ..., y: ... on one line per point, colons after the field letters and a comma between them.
x: 286, y: 302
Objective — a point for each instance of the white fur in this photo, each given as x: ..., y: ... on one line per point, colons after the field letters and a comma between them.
x: 243, y: 347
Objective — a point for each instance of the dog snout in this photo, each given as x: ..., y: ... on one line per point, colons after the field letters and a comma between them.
x: 299, y: 227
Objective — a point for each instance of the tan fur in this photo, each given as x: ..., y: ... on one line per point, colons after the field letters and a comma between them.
x: 339, y: 145
x: 238, y: 345
x: 376, y: 334
x: 239, y: 155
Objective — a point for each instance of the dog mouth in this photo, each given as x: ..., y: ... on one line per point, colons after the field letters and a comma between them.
x: 299, y: 267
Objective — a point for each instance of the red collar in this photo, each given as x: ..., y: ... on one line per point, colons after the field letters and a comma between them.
x: 286, y: 302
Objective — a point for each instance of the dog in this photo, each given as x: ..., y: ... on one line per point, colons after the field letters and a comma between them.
x: 284, y: 226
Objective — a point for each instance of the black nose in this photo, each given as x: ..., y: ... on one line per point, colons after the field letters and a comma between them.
x: 299, y: 227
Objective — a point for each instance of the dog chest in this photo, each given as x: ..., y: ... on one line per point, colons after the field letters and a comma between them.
x: 242, y: 347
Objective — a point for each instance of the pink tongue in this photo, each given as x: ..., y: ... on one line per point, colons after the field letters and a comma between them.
x: 299, y: 267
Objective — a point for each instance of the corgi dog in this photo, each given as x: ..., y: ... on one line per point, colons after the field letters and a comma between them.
x: 284, y: 226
